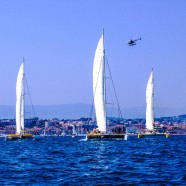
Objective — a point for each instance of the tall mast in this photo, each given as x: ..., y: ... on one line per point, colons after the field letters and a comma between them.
x: 23, y: 98
x: 99, y: 84
x: 104, y: 82
x: 150, y: 102
x: 153, y: 97
x: 20, y: 100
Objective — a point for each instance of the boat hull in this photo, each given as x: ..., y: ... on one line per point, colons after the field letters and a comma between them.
x: 154, y: 134
x: 105, y: 136
x: 19, y: 136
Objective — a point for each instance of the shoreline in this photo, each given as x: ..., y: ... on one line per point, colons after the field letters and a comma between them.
x: 83, y: 135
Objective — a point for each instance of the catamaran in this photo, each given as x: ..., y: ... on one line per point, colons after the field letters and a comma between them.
x: 20, y: 108
x: 150, y: 129
x: 99, y: 95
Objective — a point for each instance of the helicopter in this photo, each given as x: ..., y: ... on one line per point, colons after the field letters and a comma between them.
x: 132, y: 42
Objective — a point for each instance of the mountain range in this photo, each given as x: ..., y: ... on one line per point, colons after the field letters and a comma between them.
x: 79, y: 110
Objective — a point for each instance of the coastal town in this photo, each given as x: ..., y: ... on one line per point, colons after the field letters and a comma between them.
x: 65, y: 127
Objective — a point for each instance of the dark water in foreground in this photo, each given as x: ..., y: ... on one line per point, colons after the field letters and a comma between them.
x: 70, y: 161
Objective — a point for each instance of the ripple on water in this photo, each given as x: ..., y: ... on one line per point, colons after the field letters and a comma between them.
x: 69, y: 161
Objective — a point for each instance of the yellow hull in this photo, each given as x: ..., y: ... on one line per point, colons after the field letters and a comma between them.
x: 155, y: 134
x: 18, y: 136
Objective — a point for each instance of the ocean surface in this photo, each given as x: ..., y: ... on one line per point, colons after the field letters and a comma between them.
x: 74, y: 161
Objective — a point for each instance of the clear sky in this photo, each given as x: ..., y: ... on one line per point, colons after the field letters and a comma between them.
x: 58, y: 39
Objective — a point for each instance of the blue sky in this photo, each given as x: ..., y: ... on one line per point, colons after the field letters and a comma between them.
x: 58, y: 40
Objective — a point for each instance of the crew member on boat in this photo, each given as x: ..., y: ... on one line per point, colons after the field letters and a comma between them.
x: 94, y: 131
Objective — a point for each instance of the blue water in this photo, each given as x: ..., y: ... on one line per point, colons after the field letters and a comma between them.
x: 70, y: 161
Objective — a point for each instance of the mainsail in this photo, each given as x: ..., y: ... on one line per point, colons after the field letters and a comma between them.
x: 150, y: 103
x: 20, y: 100
x: 99, y: 85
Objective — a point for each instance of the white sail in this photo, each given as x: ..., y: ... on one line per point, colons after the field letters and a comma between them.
x: 74, y: 130
x: 20, y: 100
x: 150, y: 103
x: 99, y: 85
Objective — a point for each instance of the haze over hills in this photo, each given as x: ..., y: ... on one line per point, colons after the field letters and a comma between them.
x: 75, y: 111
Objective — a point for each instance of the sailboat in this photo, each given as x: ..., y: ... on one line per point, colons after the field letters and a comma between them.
x: 99, y: 94
x: 150, y: 129
x: 20, y: 107
x: 74, y: 133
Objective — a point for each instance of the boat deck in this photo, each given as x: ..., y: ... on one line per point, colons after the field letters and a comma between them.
x: 105, y: 136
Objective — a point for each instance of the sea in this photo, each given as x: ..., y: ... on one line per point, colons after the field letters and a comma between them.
x: 63, y: 160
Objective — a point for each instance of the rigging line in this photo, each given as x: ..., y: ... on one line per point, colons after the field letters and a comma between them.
x: 119, y: 110
x: 156, y: 99
x: 91, y: 113
x: 111, y: 98
x: 30, y: 97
